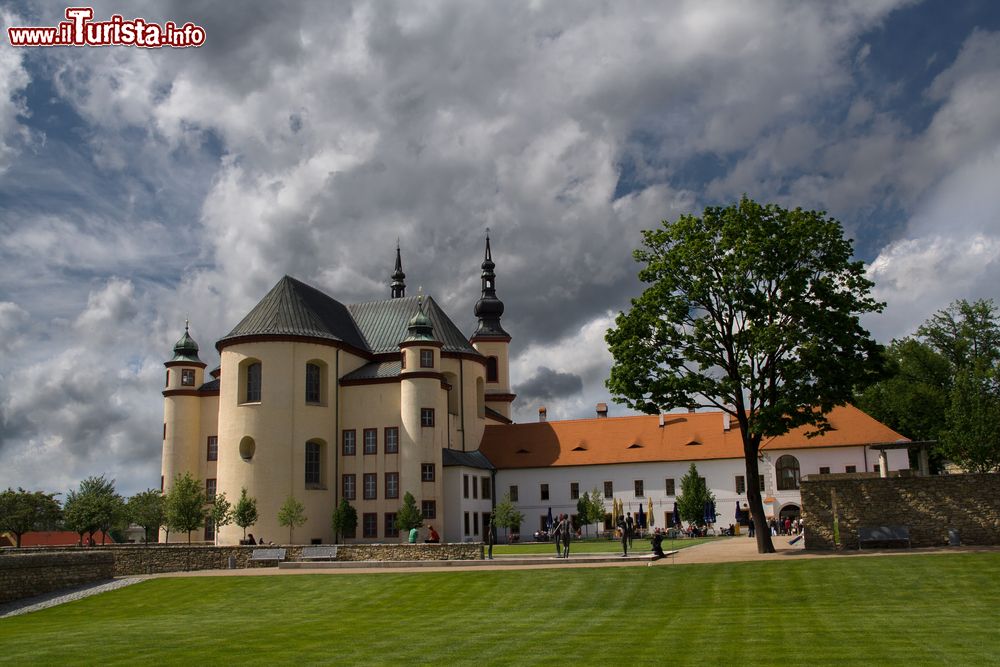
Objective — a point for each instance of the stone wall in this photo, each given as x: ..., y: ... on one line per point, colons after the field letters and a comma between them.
x: 155, y: 558
x: 929, y: 506
x: 24, y: 575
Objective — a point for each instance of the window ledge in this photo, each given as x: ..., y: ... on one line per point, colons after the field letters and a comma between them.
x: 315, y: 487
x: 249, y: 403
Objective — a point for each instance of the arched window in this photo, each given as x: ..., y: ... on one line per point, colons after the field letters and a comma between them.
x: 788, y: 473
x: 491, y: 369
x: 314, y: 464
x: 253, y: 383
x: 313, y: 383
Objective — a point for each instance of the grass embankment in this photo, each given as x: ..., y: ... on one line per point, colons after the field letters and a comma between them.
x: 912, y: 610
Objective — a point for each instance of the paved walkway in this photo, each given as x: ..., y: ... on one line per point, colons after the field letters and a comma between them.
x: 717, y: 551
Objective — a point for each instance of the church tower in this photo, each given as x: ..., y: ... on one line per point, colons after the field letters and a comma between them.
x: 398, y: 284
x: 492, y: 341
x: 182, y: 410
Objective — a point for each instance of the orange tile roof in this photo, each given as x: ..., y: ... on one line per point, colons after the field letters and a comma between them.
x: 685, y: 437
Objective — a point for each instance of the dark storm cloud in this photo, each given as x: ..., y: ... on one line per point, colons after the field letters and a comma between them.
x: 547, y: 384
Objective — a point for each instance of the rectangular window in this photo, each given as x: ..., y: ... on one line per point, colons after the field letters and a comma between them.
x: 390, y: 524
x: 465, y: 486
x: 253, y: 383
x: 187, y: 378
x: 427, y: 416
x: 513, y: 493
x: 428, y: 509
x: 168, y: 379
x: 210, y: 486
x: 350, y: 442
x: 544, y: 492
x: 760, y: 479
x: 850, y: 468
x: 466, y: 523
x: 876, y: 468
x: 371, y: 485
x: 350, y: 487
x: 402, y: 359
x: 475, y: 523
x: 371, y: 440
x: 312, y: 383
x: 824, y: 470
x: 609, y: 490
x: 475, y: 488
x: 741, y: 484
x: 427, y: 358
x: 670, y: 486
x: 312, y: 464
x: 209, y: 529
x: 391, y: 439
x: 392, y: 485
x: 486, y: 488
x: 369, y: 523
x: 638, y: 489
x: 164, y: 430
x: 574, y: 490
x: 426, y: 472
x: 213, y: 448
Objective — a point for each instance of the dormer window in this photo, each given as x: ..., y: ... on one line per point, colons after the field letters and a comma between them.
x: 187, y: 377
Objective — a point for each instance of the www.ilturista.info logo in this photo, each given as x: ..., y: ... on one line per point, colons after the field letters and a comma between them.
x: 80, y: 30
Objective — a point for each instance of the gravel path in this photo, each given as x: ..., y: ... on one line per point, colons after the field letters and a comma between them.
x: 66, y: 595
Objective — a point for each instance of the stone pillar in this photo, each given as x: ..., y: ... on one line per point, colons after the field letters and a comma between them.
x: 883, y: 463
x: 923, y: 461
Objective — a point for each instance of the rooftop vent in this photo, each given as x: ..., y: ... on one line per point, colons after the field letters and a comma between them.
x: 635, y: 445
x: 602, y: 410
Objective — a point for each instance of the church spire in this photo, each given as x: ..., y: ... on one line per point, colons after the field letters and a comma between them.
x: 398, y: 285
x: 489, y: 308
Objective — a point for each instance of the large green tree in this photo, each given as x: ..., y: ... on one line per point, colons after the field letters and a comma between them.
x: 185, y: 504
x: 24, y: 511
x: 94, y: 506
x: 751, y: 309
x: 245, y: 512
x: 291, y: 514
x: 345, y: 520
x: 147, y: 509
x: 694, y: 495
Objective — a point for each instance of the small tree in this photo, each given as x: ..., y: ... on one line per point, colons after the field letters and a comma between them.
x: 595, y: 507
x: 245, y: 514
x: 24, y: 511
x: 694, y: 495
x: 345, y: 520
x: 186, y: 505
x: 78, y: 516
x: 291, y: 514
x: 221, y: 513
x: 409, y: 515
x: 505, y: 514
x: 95, y: 506
x: 146, y: 509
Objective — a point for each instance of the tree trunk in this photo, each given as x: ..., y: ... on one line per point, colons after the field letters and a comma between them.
x: 763, y: 533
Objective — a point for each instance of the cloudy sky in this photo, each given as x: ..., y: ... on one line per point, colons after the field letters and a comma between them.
x: 139, y: 187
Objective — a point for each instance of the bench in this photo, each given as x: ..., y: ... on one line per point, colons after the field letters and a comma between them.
x: 883, y: 534
x: 260, y: 555
x: 319, y: 553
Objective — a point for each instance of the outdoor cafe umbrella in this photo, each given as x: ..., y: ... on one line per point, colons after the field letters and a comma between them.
x: 650, y: 512
x: 641, y: 517
x: 677, y: 515
x: 709, y: 512
x: 548, y: 522
x: 739, y: 512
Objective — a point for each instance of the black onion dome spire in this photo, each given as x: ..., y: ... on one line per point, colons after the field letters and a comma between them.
x: 489, y: 308
x: 186, y: 349
x: 398, y: 285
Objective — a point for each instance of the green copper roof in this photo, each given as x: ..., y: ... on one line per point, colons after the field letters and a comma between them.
x: 186, y: 349
x: 385, y: 324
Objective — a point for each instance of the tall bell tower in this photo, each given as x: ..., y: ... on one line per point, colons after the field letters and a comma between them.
x: 492, y: 341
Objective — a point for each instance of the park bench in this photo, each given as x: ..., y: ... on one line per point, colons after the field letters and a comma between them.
x: 319, y: 553
x: 868, y: 534
x: 261, y: 555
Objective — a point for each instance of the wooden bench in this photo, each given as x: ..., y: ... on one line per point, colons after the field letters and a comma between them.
x: 261, y: 555
x: 319, y: 553
x: 883, y: 534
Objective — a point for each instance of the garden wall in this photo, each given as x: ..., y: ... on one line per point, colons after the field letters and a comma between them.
x: 24, y: 575
x: 930, y: 506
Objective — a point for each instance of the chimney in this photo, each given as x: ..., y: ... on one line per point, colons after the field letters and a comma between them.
x: 542, y: 414
x: 661, y: 420
x: 602, y: 410
x: 725, y: 421
x: 691, y: 411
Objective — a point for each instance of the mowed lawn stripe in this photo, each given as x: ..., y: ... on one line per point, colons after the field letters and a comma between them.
x: 913, y: 610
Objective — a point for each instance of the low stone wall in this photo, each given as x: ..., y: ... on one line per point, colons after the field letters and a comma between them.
x: 155, y: 558
x: 930, y: 506
x: 24, y: 575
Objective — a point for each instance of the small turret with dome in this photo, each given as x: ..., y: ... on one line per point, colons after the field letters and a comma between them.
x: 186, y: 349
x: 420, y: 327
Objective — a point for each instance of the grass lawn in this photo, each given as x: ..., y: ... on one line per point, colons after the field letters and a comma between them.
x: 912, y: 610
x: 594, y: 546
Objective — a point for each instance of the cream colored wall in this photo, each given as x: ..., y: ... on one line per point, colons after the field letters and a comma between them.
x: 498, y: 349
x: 280, y: 425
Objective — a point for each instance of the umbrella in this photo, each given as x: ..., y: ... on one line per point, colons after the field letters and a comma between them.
x: 650, y: 513
x: 641, y: 517
x: 710, y: 512
x: 677, y: 515
x: 548, y: 522
x: 739, y: 512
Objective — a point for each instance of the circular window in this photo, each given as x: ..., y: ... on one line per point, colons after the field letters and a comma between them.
x: 247, y: 448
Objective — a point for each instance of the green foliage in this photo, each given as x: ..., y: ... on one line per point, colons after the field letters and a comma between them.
x: 972, y: 436
x: 222, y: 512
x: 245, y: 514
x: 694, y: 495
x: 345, y: 519
x: 95, y: 506
x: 750, y: 309
x: 147, y: 509
x: 185, y: 505
x: 506, y: 515
x: 291, y: 514
x: 409, y: 515
x: 590, y: 508
x: 24, y: 511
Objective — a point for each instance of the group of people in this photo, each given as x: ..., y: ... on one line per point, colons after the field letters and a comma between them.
x: 786, y: 526
x: 626, y: 530
x: 562, y: 535
x: 250, y: 540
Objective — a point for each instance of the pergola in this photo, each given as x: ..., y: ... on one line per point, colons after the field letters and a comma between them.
x: 923, y: 446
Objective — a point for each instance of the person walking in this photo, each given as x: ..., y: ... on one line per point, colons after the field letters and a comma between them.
x: 567, y: 535
x: 557, y: 535
x: 490, y: 539
x: 629, y: 527
x: 623, y: 527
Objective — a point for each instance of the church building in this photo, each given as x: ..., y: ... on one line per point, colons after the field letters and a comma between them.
x: 323, y: 401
